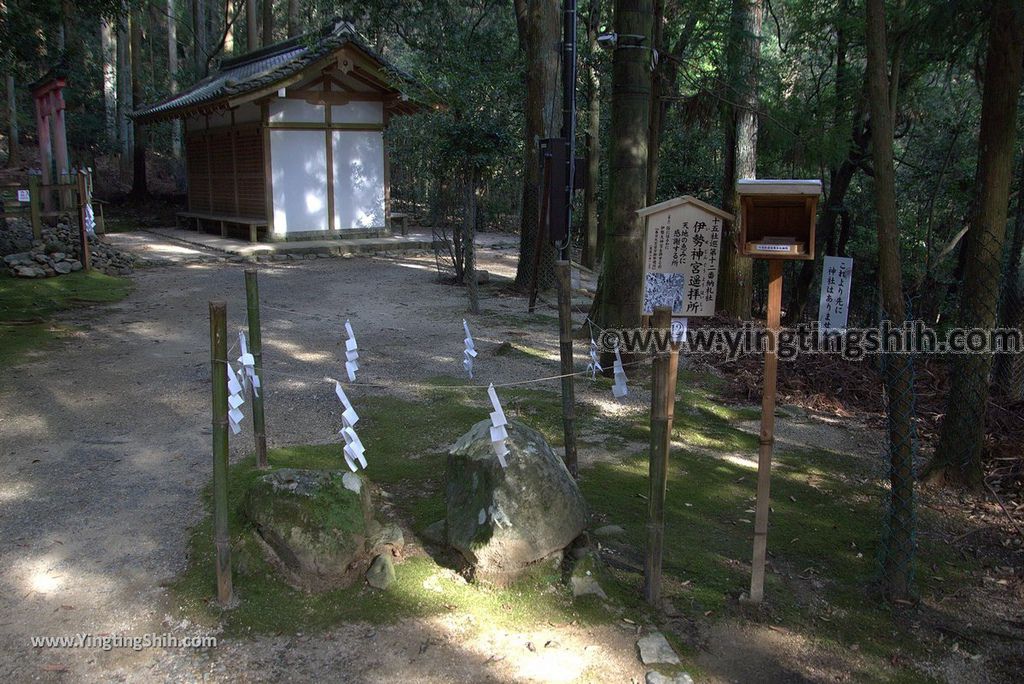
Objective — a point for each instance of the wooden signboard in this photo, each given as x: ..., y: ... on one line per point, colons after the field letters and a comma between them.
x: 777, y: 218
x: 776, y: 223
x: 682, y: 245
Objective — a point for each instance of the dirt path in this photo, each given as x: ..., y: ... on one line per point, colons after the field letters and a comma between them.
x: 104, y: 448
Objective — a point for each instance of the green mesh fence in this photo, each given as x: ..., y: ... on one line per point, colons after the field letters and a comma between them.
x: 898, y: 549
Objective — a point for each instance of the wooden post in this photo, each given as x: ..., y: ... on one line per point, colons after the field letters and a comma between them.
x: 542, y: 235
x: 34, y: 201
x: 83, y: 234
x: 564, y: 274
x: 663, y: 402
x: 219, y: 382
x: 252, y: 299
x: 468, y: 236
x: 764, y: 458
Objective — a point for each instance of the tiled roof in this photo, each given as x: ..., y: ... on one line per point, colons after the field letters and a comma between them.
x: 263, y: 68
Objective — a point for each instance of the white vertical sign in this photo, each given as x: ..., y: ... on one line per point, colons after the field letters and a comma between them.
x: 834, y: 305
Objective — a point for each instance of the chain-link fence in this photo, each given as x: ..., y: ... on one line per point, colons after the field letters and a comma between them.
x: 899, y: 536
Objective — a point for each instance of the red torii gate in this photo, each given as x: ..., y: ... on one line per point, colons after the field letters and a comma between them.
x: 49, y: 98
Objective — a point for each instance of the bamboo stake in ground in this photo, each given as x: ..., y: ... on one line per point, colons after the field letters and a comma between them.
x: 564, y: 273
x: 219, y: 382
x: 34, y: 211
x: 663, y: 401
x: 83, y: 234
x: 764, y: 458
x: 252, y: 300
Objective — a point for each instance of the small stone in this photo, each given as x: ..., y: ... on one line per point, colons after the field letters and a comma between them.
x: 62, y: 267
x: 58, y: 256
x: 609, y: 531
x: 14, y: 259
x: 586, y: 585
x: 655, y: 649
x: 41, y: 258
x: 655, y: 677
x: 76, y: 265
x: 352, y: 482
x: 381, y: 573
x: 387, y: 537
x: 27, y: 272
x: 435, y: 533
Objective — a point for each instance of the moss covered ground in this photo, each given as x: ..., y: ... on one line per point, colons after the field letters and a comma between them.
x: 27, y: 306
x: 825, y: 528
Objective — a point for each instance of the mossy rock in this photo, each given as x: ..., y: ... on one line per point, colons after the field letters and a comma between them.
x: 502, y: 520
x: 316, y: 524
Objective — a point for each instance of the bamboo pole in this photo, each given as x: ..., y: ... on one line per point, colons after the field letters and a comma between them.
x: 34, y: 201
x: 564, y: 274
x: 663, y: 400
x: 764, y: 458
x: 252, y: 300
x: 219, y: 382
x: 83, y: 235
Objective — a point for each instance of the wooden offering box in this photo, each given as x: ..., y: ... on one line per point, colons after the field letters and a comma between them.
x: 777, y: 218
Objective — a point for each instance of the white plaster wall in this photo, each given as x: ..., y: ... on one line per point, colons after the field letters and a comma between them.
x: 358, y: 112
x: 295, y: 111
x: 299, y: 167
x: 358, y: 179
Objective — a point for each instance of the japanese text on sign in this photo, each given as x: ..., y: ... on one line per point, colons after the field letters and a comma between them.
x: 681, y: 261
x: 834, y: 305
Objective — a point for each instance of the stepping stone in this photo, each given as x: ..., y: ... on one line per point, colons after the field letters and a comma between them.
x: 654, y: 677
x: 655, y: 649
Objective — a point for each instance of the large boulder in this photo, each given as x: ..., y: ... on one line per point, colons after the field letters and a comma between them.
x: 318, y: 525
x: 504, y: 519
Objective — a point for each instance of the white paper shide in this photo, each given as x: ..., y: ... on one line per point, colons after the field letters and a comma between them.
x: 498, y: 431
x: 354, y: 451
x: 235, y: 400
x: 469, y: 353
x: 619, y: 389
x: 248, y: 363
x: 351, y: 353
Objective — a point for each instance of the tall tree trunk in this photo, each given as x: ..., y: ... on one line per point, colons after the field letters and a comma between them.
x: 591, y: 182
x: 124, y: 98
x: 200, y: 36
x: 109, y: 55
x: 13, y: 145
x: 657, y: 104
x: 839, y: 176
x: 1009, y: 370
x: 251, y: 24
x: 293, y: 18
x: 139, y: 187
x: 172, y: 72
x: 958, y: 457
x: 13, y: 148
x: 735, y: 275
x: 268, y: 22
x: 538, y: 23
x: 620, y: 293
x: 898, y: 553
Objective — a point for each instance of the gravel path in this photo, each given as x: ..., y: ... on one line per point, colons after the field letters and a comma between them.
x: 104, y: 448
